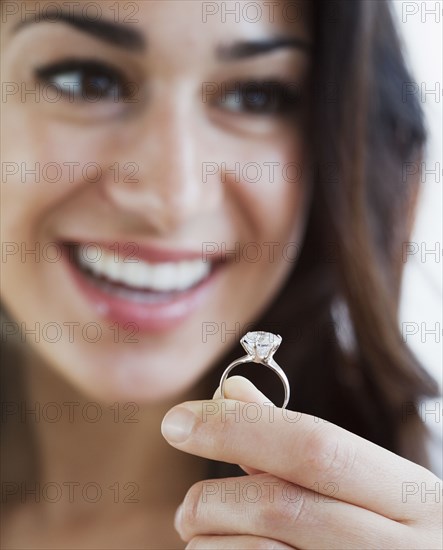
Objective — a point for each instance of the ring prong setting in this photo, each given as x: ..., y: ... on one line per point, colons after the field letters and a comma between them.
x: 260, y: 345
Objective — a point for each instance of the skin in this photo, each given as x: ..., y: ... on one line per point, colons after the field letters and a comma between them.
x: 168, y: 138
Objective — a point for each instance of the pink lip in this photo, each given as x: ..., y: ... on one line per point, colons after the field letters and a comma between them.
x: 128, y: 250
x: 147, y: 317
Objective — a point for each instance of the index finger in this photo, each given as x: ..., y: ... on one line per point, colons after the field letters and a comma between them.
x: 299, y: 448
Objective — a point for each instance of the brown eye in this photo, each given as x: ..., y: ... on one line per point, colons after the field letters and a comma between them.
x: 86, y: 80
x: 260, y: 98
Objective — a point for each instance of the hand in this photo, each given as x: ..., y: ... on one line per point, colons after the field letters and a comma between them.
x: 311, y: 484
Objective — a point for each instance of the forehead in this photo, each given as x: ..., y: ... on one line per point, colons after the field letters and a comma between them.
x: 230, y: 17
x: 198, y: 22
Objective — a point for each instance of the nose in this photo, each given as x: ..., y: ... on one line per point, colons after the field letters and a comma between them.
x: 160, y: 182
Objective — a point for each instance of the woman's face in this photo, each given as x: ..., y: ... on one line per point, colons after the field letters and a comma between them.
x: 144, y: 133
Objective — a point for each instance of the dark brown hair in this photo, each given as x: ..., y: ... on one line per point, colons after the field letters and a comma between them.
x: 342, y: 347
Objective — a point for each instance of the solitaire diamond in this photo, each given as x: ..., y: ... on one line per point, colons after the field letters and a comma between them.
x: 260, y: 345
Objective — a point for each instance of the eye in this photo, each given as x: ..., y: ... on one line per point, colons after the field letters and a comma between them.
x: 260, y: 97
x: 86, y: 80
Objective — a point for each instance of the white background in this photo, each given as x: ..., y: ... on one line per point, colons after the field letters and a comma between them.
x: 420, y: 24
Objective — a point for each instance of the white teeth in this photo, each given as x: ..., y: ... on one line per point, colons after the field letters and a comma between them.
x: 112, y: 268
x: 161, y: 277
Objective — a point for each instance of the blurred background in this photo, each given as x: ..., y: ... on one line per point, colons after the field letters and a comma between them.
x: 421, y: 315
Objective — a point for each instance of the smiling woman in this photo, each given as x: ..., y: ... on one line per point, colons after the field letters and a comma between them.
x: 175, y: 175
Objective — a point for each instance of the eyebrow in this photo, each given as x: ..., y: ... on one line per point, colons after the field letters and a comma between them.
x: 242, y: 50
x: 113, y: 33
x: 131, y: 39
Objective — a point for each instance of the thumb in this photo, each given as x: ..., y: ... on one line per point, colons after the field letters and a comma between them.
x: 241, y: 389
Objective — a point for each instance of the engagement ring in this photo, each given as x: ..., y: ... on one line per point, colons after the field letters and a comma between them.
x: 260, y: 347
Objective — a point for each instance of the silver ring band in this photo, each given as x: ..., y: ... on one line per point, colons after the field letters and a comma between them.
x: 251, y: 342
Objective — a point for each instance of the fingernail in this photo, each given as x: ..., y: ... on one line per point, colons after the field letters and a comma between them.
x: 178, y: 517
x: 177, y: 425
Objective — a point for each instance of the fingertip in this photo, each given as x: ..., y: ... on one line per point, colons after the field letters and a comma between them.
x: 217, y: 394
x: 239, y: 387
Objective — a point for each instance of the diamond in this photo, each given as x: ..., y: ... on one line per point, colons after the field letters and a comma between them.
x: 261, y: 345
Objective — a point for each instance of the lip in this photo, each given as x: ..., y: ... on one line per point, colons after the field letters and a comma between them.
x: 150, y: 253
x: 146, y: 317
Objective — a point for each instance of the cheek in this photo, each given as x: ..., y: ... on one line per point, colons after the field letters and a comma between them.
x: 271, y: 190
x: 45, y: 164
x: 269, y: 215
